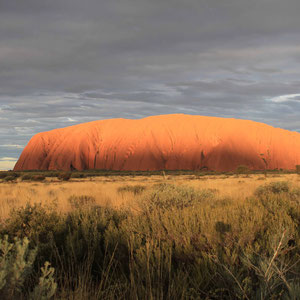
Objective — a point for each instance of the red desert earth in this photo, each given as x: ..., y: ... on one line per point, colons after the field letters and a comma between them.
x: 182, y: 142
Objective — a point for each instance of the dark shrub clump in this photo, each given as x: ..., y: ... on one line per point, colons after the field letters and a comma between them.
x: 9, y: 178
x: 29, y: 177
x: 65, y: 176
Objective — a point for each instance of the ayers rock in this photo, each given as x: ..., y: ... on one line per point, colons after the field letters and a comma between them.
x: 183, y: 142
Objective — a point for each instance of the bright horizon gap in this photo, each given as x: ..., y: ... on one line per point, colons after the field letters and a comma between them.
x: 7, y: 165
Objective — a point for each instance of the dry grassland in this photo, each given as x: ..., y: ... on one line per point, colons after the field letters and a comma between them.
x: 105, y: 189
x: 151, y: 237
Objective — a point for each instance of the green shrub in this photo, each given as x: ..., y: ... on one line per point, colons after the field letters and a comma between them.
x: 135, y: 189
x: 46, y: 287
x: 298, y: 169
x: 16, y: 265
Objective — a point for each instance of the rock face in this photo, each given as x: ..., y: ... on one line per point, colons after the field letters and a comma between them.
x: 182, y: 142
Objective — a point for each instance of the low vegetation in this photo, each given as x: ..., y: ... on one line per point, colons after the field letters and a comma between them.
x: 16, y: 266
x: 66, y: 175
x: 81, y: 201
x: 183, y: 240
x: 30, y: 177
x: 242, y: 170
x: 135, y: 189
x: 9, y: 178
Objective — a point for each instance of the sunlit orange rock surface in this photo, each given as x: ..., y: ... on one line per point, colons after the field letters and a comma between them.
x: 182, y: 142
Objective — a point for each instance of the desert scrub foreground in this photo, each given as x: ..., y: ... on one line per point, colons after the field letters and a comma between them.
x: 182, y: 243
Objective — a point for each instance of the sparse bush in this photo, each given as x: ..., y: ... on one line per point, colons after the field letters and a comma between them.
x: 81, y: 201
x: 13, y: 174
x: 242, y: 169
x: 29, y: 177
x: 65, y: 176
x: 9, y: 178
x: 51, y: 174
x: 36, y: 222
x: 26, y: 177
x: 38, y: 178
x: 3, y: 174
x: 167, y: 196
x: 135, y: 189
x: 275, y: 175
x: 78, y: 175
x: 277, y: 187
x: 298, y: 169
x: 295, y: 194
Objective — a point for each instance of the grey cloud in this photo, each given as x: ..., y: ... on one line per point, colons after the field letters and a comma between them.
x: 65, y: 60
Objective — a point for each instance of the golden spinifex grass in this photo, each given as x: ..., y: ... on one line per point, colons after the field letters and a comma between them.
x: 161, y: 237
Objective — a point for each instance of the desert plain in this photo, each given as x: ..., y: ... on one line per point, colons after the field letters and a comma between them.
x: 195, y: 235
x: 107, y: 190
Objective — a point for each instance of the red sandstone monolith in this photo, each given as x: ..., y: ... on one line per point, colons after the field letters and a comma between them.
x: 174, y: 142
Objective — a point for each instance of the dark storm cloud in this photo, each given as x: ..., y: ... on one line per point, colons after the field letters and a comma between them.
x: 64, y: 62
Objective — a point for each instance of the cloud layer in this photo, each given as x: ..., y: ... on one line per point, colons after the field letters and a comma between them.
x: 64, y: 62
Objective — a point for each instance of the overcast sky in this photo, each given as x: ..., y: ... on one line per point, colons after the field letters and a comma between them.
x: 64, y: 62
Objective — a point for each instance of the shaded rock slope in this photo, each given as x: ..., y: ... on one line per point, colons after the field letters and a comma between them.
x: 178, y: 141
